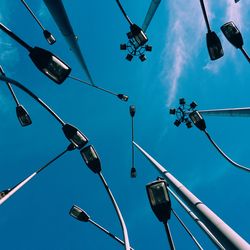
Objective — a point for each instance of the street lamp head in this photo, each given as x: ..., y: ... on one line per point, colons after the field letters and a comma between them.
x: 133, y: 172
x: 159, y: 199
x: 132, y: 110
x: 23, y: 116
x: 198, y: 120
x: 138, y: 34
x: 75, y: 136
x: 49, y: 64
x: 49, y: 37
x: 123, y: 97
x: 79, y: 214
x: 232, y: 34
x: 91, y: 159
x: 214, y: 46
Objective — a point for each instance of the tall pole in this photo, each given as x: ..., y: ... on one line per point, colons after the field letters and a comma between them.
x: 225, y: 234
x: 22, y: 183
x: 119, y: 214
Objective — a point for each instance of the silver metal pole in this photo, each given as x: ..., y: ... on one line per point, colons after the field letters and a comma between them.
x: 197, y: 220
x: 225, y: 234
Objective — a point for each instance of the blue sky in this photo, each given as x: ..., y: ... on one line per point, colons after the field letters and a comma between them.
x: 37, y: 217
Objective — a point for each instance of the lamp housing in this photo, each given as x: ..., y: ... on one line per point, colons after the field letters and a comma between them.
x: 123, y: 97
x: 159, y: 199
x: 23, y: 116
x: 138, y: 35
x: 74, y: 135
x: 132, y: 110
x: 214, y: 46
x: 49, y: 37
x: 79, y: 214
x: 198, y: 120
x: 142, y: 57
x: 182, y: 101
x: 49, y: 64
x: 91, y: 159
x: 232, y: 34
x: 133, y: 172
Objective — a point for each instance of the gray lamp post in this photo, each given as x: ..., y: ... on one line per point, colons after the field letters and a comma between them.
x: 6, y: 194
x: 226, y: 236
x: 92, y: 160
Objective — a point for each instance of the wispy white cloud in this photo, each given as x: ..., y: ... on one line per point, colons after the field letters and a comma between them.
x: 183, y: 40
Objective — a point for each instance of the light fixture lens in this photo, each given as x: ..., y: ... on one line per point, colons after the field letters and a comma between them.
x: 23, y: 116
x: 79, y: 214
x: 214, y: 46
x: 91, y: 158
x: 49, y: 37
x: 49, y: 64
x: 75, y: 136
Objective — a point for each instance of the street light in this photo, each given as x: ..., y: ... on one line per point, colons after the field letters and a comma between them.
x: 22, y: 114
x: 221, y: 232
x: 190, y: 115
x: 48, y: 63
x: 234, y: 36
x: 214, y: 47
x: 6, y: 194
x: 132, y: 114
x: 161, y: 205
x: 73, y: 134
x: 79, y: 214
x: 93, y: 162
x: 48, y: 36
x: 137, y: 39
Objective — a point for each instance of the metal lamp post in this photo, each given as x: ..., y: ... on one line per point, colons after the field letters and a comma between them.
x: 226, y: 236
x: 79, y: 214
x: 6, y: 194
x: 189, y: 115
x: 92, y: 160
